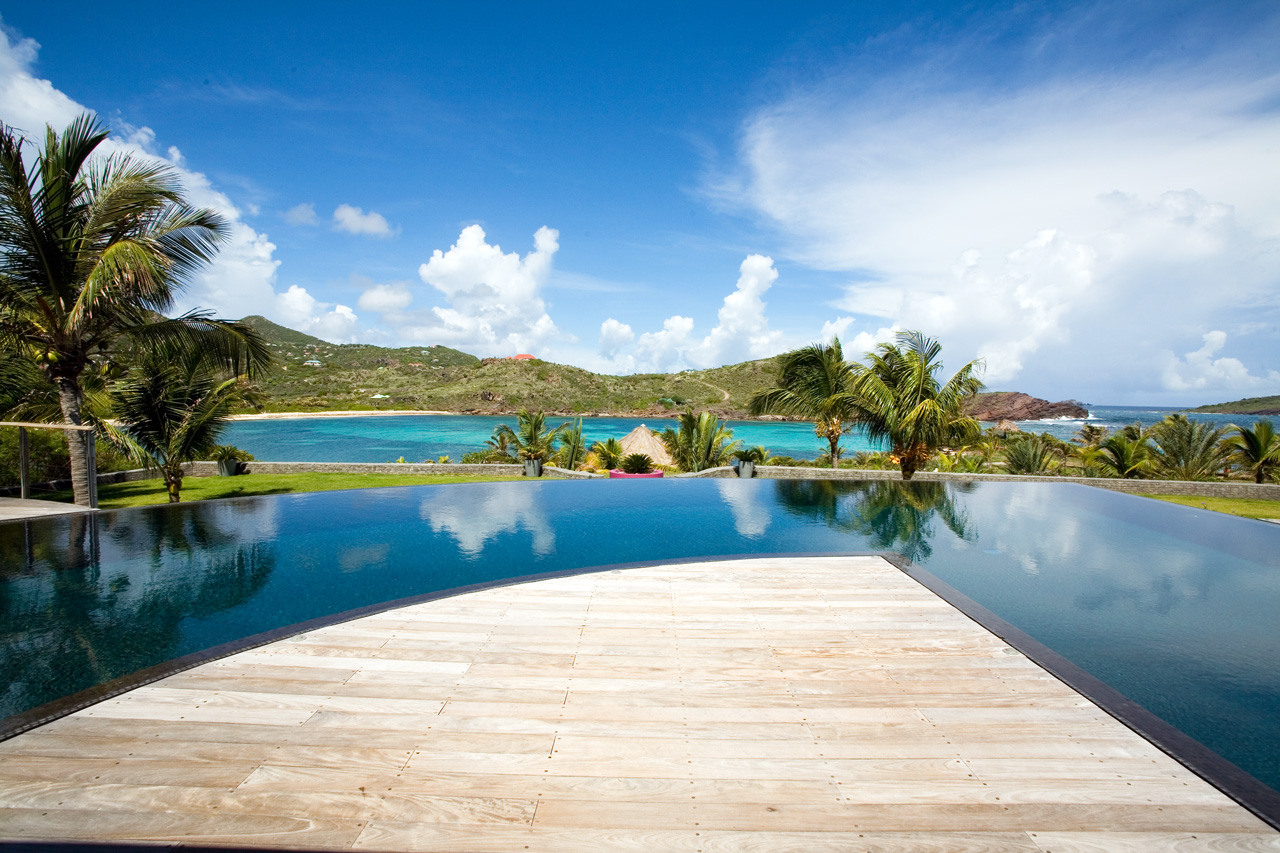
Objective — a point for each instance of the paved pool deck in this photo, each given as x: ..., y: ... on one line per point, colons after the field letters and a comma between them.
x: 798, y: 704
x: 16, y: 509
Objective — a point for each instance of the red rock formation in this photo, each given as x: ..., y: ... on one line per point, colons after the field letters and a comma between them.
x: 1017, y: 406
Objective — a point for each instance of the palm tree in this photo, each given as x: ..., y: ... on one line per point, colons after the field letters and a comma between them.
x: 1123, y: 456
x: 1188, y: 450
x: 1031, y: 456
x: 170, y: 411
x: 700, y: 442
x: 813, y: 382
x: 608, y: 453
x: 1256, y: 450
x: 93, y: 252
x: 899, y: 398
x: 531, y: 438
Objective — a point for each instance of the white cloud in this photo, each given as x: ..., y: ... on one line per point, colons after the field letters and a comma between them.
x: 613, y: 336
x: 385, y: 298
x: 242, y: 278
x: 353, y: 220
x: 1057, y: 228
x: 741, y: 333
x: 657, y: 352
x: 302, y: 214
x: 494, y: 301
x: 302, y: 311
x: 1200, y: 370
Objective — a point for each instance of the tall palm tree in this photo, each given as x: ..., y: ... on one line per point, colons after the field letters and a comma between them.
x: 531, y: 438
x: 813, y: 382
x: 700, y: 442
x: 1256, y: 450
x: 1186, y: 449
x: 898, y: 396
x: 93, y: 252
x: 171, y: 411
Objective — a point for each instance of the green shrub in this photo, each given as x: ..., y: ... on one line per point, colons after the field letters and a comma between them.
x: 637, y: 463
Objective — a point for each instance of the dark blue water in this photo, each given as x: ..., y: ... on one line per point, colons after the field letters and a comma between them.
x: 420, y: 438
x: 1174, y: 607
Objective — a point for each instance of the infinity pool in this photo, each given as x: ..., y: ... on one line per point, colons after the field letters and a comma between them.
x: 1176, y: 608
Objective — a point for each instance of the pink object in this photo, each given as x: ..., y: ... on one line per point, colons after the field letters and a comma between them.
x: 615, y: 474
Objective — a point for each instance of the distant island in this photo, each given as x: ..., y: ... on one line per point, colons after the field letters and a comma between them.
x: 1247, y: 406
x: 315, y: 376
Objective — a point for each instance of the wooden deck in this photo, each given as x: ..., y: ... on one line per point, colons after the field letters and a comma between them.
x: 826, y: 704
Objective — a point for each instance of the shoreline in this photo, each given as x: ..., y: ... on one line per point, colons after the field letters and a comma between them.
x: 271, y: 416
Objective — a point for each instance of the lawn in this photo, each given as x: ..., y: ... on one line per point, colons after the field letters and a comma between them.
x: 148, y: 492
x: 1247, y: 507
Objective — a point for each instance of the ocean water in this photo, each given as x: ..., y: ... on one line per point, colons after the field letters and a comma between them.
x: 418, y: 438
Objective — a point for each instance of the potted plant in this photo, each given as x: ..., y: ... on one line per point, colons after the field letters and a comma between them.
x: 748, y: 458
x: 635, y: 466
x: 231, y: 459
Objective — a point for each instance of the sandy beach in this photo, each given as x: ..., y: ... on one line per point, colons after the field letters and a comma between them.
x: 277, y: 416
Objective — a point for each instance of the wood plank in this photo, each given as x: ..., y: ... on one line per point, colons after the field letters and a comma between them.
x: 705, y: 707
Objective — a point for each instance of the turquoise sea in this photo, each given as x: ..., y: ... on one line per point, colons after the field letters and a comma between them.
x: 418, y: 438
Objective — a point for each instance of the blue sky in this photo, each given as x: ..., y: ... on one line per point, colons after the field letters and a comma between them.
x: 1085, y: 195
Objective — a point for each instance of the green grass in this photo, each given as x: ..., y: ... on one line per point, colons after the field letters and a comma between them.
x: 1247, y: 507
x: 149, y: 492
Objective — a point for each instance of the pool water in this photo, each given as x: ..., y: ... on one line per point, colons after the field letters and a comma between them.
x: 1174, y: 607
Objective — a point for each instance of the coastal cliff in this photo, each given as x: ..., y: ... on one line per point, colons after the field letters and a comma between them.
x: 1016, y: 406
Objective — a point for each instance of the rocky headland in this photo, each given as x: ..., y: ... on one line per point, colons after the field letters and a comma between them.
x: 1016, y: 406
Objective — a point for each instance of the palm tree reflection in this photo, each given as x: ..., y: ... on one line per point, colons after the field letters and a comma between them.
x: 888, y: 515
x: 71, y: 618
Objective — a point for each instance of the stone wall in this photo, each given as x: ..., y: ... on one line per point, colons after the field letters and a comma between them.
x: 1219, y: 489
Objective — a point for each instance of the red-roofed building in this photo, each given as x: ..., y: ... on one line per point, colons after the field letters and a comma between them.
x: 524, y: 356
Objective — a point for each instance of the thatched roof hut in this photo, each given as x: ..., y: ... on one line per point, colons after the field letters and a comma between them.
x: 642, y: 440
x: 1006, y: 426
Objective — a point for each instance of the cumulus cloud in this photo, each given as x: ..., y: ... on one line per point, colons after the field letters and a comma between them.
x: 242, y: 278
x: 353, y: 220
x: 300, y: 310
x: 1200, y: 370
x: 302, y: 214
x: 1056, y: 225
x: 493, y: 299
x: 613, y: 336
x: 741, y: 333
x: 385, y: 298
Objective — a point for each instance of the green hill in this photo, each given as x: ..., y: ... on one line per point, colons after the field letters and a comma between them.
x: 364, y: 377
x: 1247, y: 406
x: 277, y: 334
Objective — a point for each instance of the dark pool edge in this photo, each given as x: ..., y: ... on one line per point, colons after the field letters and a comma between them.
x: 25, y: 721
x: 1260, y: 799
x: 1245, y: 789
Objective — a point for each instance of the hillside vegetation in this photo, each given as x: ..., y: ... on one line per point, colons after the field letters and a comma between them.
x: 1247, y: 406
x: 364, y: 377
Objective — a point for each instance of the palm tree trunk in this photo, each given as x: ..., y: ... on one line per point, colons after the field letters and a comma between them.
x: 834, y: 441
x: 70, y: 399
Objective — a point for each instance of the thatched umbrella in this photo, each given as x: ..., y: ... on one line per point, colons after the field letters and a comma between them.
x: 1007, y: 426
x: 642, y: 440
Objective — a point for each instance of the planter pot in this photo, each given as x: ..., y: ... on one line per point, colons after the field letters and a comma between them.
x: 228, y: 467
x: 623, y: 475
x: 533, y: 467
x: 746, y: 469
